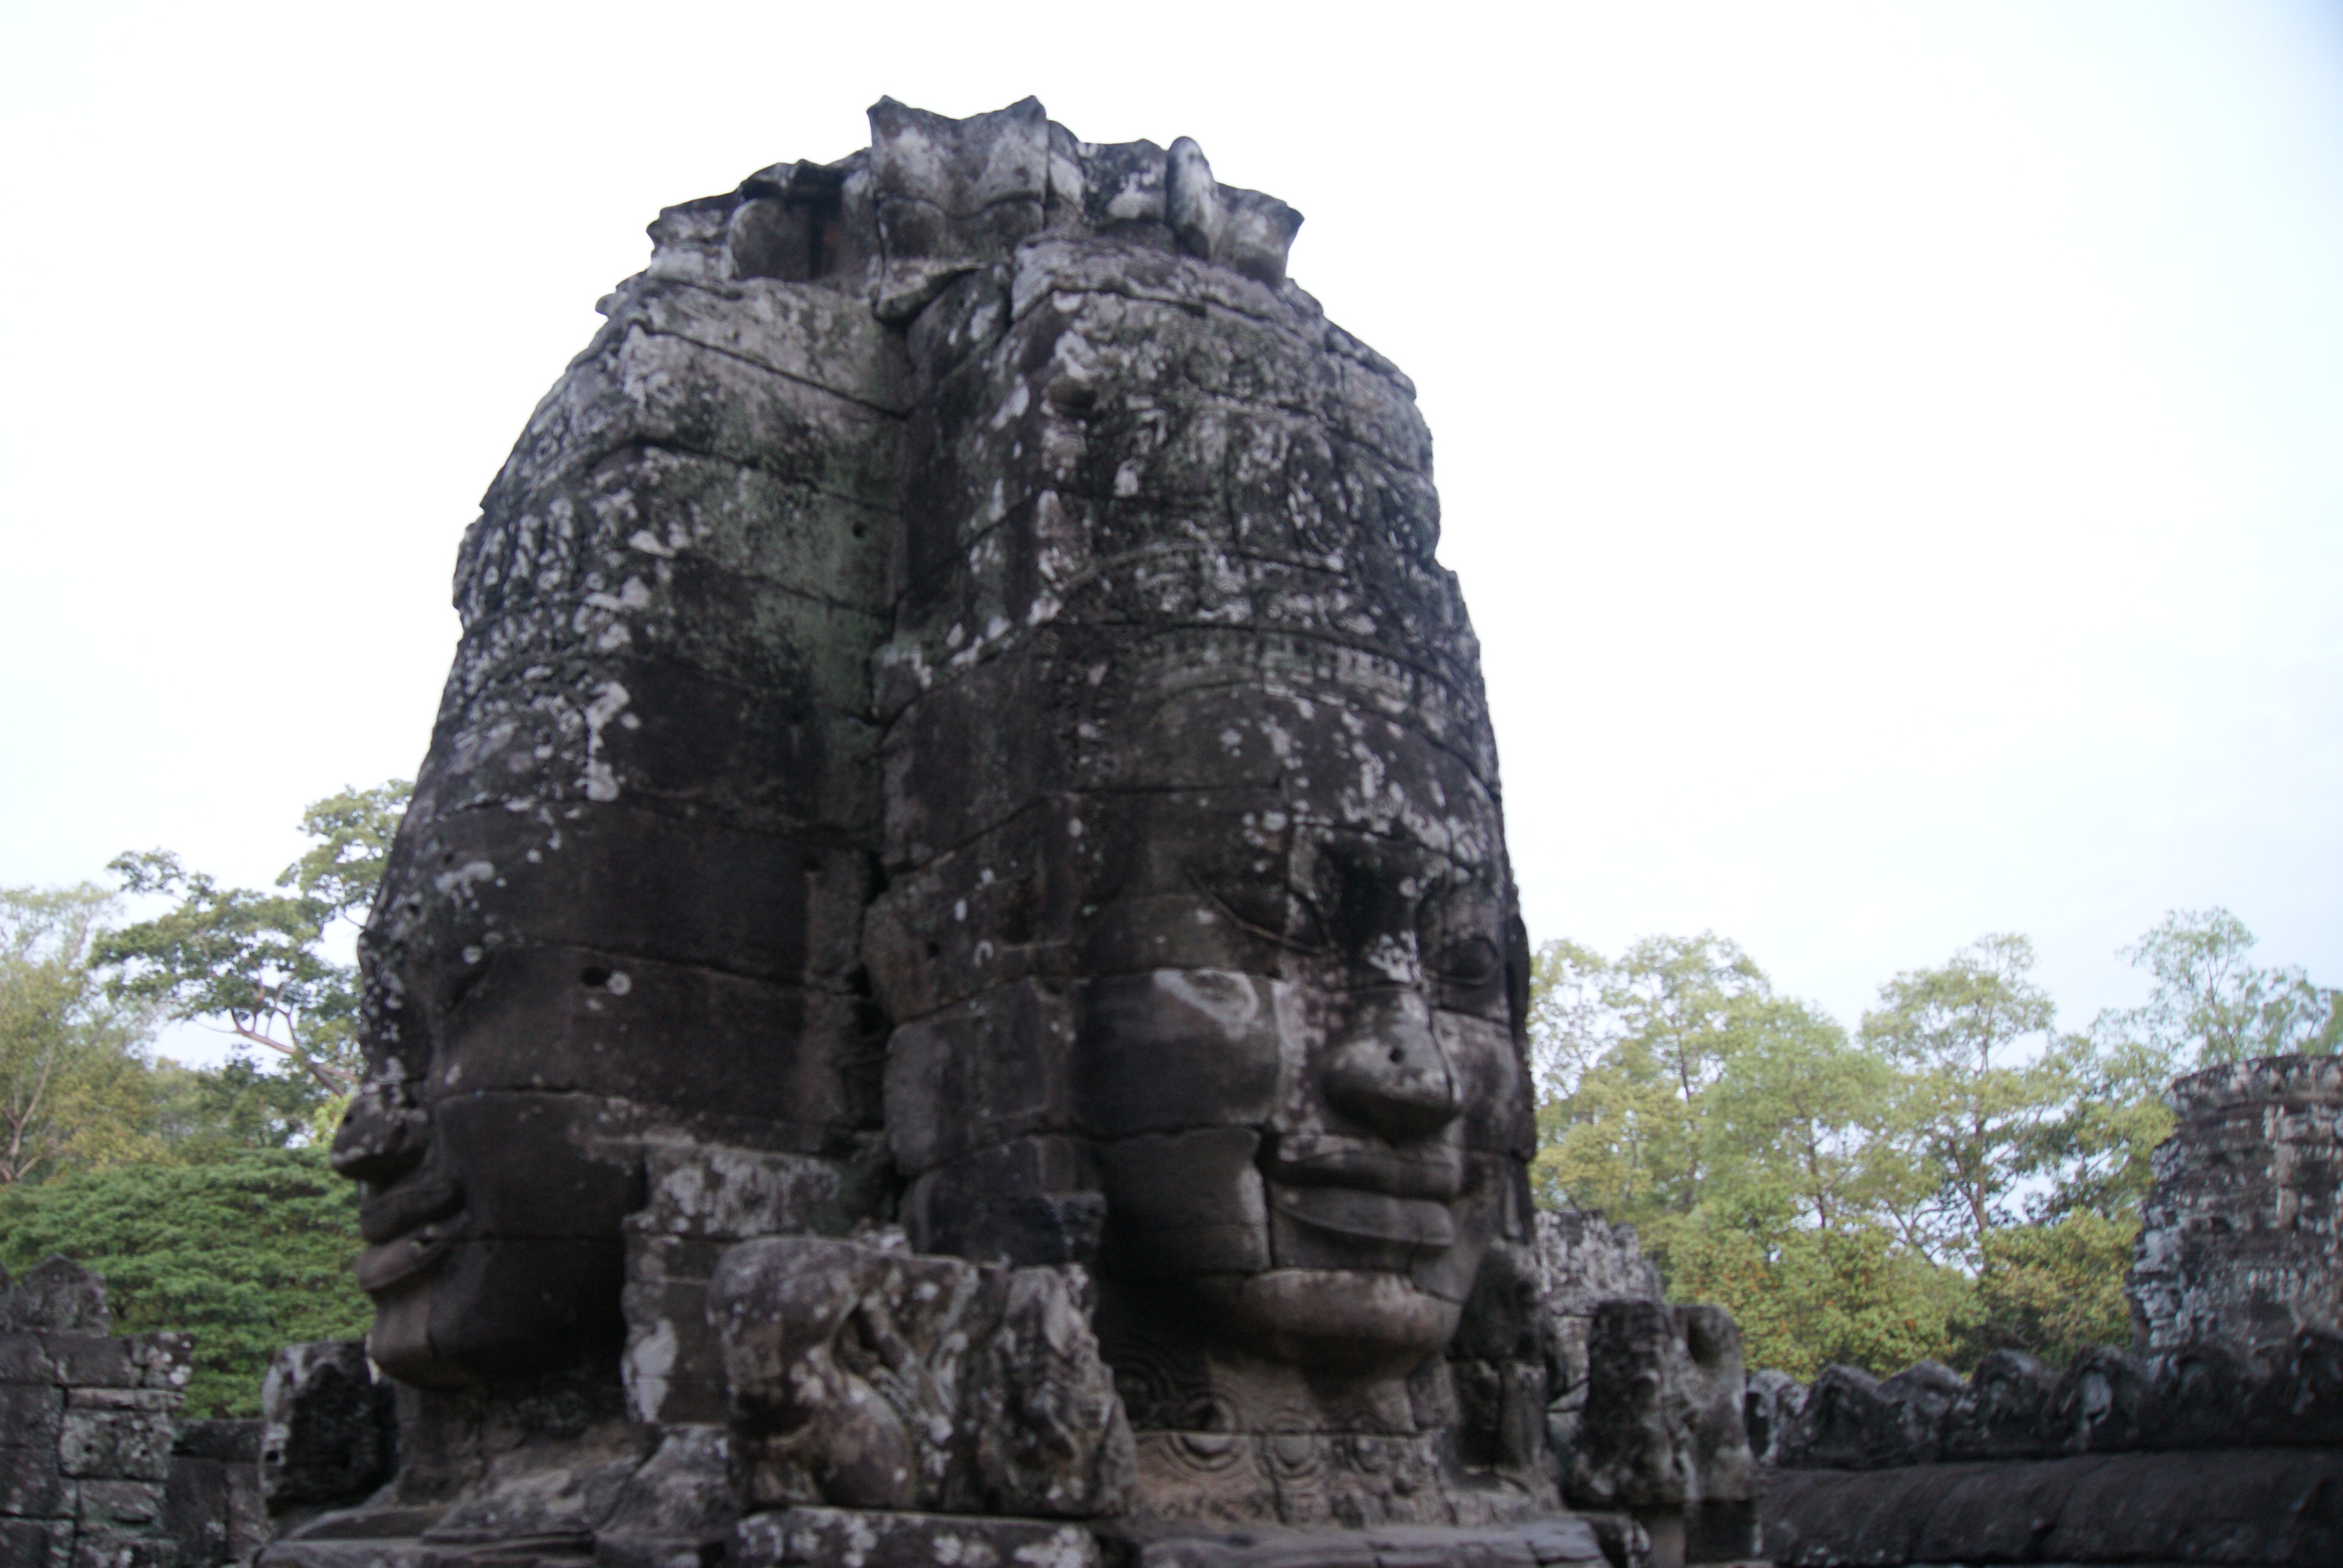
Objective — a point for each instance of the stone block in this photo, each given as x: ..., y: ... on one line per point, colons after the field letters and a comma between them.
x: 644, y: 381
x: 993, y: 1068
x: 2236, y: 1506
x: 811, y: 1537
x: 677, y: 1509
x: 2302, y: 1401
x: 162, y: 1361
x: 1852, y: 1421
x: 328, y: 1436
x: 673, y: 1366
x: 1999, y: 1414
x: 36, y: 1543
x: 99, y: 1547
x: 1173, y: 1049
x: 113, y: 1443
x: 1200, y: 1189
x: 229, y: 1441
x: 1503, y: 1319
x: 1582, y: 1259
x: 2240, y: 1506
x: 92, y: 1361
x: 631, y: 882
x: 1844, y: 1423
x: 2205, y: 1394
x: 212, y: 1507
x: 54, y: 1295
x: 1661, y: 1425
x: 31, y: 1486
x: 131, y: 1506
x: 1771, y: 1401
x: 701, y: 1189
x: 985, y: 914
x: 24, y: 1358
x: 2104, y: 1402
x: 641, y: 508
x: 1026, y: 1202
x: 29, y: 1415
x: 1195, y: 1545
x: 1923, y: 1396
x: 580, y: 1021
x: 867, y: 1377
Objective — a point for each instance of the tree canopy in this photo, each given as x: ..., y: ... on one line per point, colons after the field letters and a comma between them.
x: 1952, y: 1177
x: 201, y: 1193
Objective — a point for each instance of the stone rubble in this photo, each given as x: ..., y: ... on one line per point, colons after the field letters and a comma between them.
x: 869, y: 1377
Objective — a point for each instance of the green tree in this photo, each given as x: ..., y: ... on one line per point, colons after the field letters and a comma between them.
x: 1747, y: 1138
x: 256, y: 960
x: 1973, y: 1098
x: 1805, y: 1299
x: 1638, y: 1044
x: 2051, y: 1289
x: 1793, y: 1128
x: 73, y: 1088
x: 2209, y: 1005
x: 246, y: 1253
x: 206, y: 1113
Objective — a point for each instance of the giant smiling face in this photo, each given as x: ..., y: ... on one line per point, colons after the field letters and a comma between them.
x: 1297, y: 1051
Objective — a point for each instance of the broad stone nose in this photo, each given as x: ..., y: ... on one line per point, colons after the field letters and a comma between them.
x: 1389, y: 1072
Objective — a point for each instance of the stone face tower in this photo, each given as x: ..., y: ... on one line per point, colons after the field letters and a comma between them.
x: 2240, y: 1238
x: 959, y: 724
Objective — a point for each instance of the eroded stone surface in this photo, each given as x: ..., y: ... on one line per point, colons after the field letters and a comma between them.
x: 2239, y: 1238
x: 869, y: 1377
x: 1663, y: 1428
x: 86, y: 1429
x: 326, y: 1434
x: 960, y: 723
x: 2242, y: 1507
x: 826, y: 1537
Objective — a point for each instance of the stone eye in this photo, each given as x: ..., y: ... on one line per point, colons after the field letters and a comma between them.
x: 1273, y: 912
x: 1470, y: 963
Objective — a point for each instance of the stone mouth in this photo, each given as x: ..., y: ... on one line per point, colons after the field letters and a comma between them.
x: 1306, y: 1159
x: 409, y: 1206
x: 392, y: 1263
x: 411, y: 1228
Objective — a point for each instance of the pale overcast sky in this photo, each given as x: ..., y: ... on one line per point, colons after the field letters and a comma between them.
x: 1893, y: 453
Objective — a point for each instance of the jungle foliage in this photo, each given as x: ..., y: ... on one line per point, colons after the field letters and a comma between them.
x: 1952, y: 1176
x: 200, y: 1192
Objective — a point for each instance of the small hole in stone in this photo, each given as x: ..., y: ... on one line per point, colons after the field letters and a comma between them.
x: 1398, y: 1056
x: 594, y: 974
x: 935, y: 949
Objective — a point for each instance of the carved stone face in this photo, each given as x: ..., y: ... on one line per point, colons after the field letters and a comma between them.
x: 529, y: 1026
x: 491, y: 1219
x: 1296, y: 1050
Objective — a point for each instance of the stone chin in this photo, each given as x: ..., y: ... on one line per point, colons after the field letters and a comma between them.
x: 489, y: 1311
x: 1354, y: 1321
